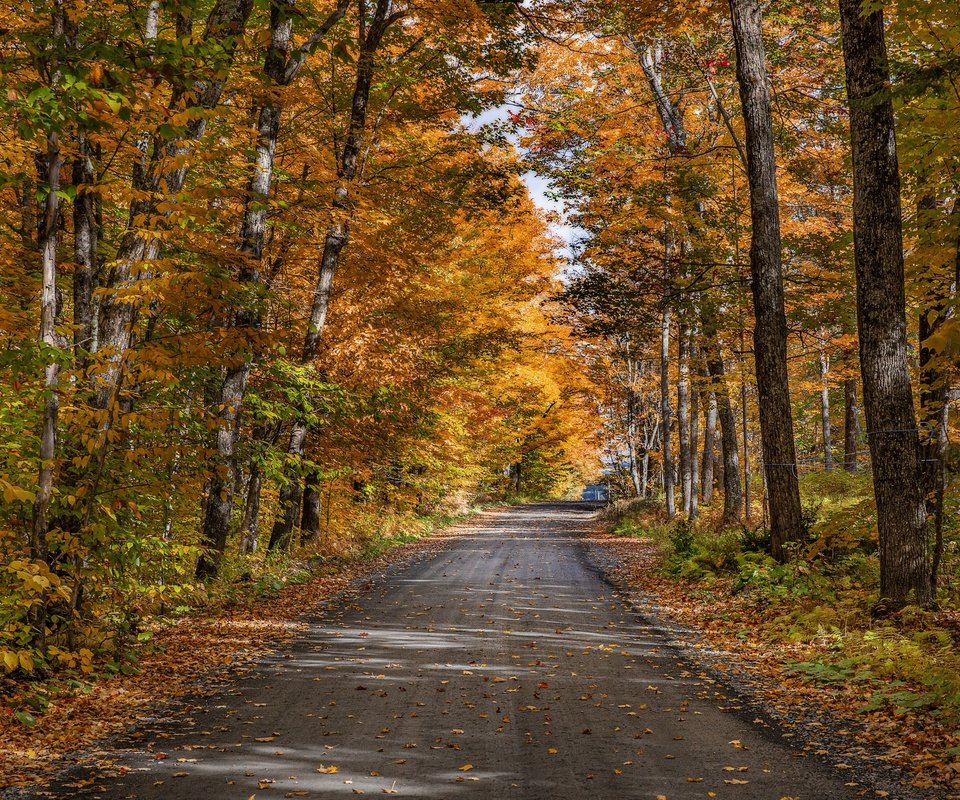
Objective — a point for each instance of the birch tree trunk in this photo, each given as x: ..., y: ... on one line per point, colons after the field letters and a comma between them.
x: 770, y: 333
x: 219, y: 506
x: 666, y: 413
x: 881, y: 313
x: 683, y: 419
x: 632, y: 436
x: 85, y: 251
x: 49, y: 164
x: 694, y: 511
x: 851, y: 425
x: 825, y: 412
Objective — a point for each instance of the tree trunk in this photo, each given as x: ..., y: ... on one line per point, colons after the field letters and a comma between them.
x: 881, y: 313
x: 732, y: 498
x: 851, y: 425
x: 632, y: 437
x: 770, y: 333
x: 694, y: 441
x: 709, y: 449
x: 85, y: 251
x: 310, y: 521
x: 645, y: 469
x: 683, y: 417
x: 666, y: 414
x: 50, y: 164
x: 251, y: 511
x: 219, y: 508
x: 745, y: 435
x: 825, y: 412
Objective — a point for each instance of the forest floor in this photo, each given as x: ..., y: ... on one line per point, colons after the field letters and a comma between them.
x: 832, y: 718
x: 499, y: 664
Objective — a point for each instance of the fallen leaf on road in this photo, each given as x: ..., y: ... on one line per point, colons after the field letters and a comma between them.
x: 328, y: 769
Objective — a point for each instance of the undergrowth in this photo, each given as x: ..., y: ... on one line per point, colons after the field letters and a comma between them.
x: 822, y: 600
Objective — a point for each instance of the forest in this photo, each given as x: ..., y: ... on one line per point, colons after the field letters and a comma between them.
x: 282, y: 290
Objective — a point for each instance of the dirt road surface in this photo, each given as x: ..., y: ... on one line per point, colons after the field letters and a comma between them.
x: 502, y: 667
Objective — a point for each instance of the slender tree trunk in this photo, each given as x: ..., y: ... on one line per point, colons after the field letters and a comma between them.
x: 732, y: 497
x: 770, y: 334
x: 265, y: 436
x: 49, y: 165
x: 851, y: 425
x: 251, y: 511
x: 648, y: 437
x: 745, y: 435
x: 632, y: 439
x: 683, y: 417
x: 716, y: 371
x: 220, y: 500
x: 666, y: 413
x: 825, y: 412
x: 290, y: 494
x: 694, y: 440
x: 881, y: 313
x: 709, y: 449
x: 310, y: 520
x: 85, y: 251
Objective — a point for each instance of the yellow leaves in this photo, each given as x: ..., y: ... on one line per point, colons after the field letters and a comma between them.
x: 328, y: 769
x: 466, y: 768
x: 36, y: 580
x: 15, y: 494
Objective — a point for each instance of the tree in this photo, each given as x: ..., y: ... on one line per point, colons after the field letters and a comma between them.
x: 892, y: 431
x: 770, y: 333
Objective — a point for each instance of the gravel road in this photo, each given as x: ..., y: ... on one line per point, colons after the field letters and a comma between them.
x: 502, y: 667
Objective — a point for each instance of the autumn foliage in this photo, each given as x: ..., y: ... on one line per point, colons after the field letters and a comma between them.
x: 175, y: 187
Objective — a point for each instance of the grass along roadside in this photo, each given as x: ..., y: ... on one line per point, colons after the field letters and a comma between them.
x: 49, y: 722
x: 803, y: 636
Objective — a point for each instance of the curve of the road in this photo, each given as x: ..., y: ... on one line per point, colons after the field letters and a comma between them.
x: 501, y: 667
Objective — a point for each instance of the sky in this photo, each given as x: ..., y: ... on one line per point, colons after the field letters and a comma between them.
x: 538, y: 187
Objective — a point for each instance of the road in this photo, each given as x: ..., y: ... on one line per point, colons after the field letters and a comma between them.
x: 502, y: 667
